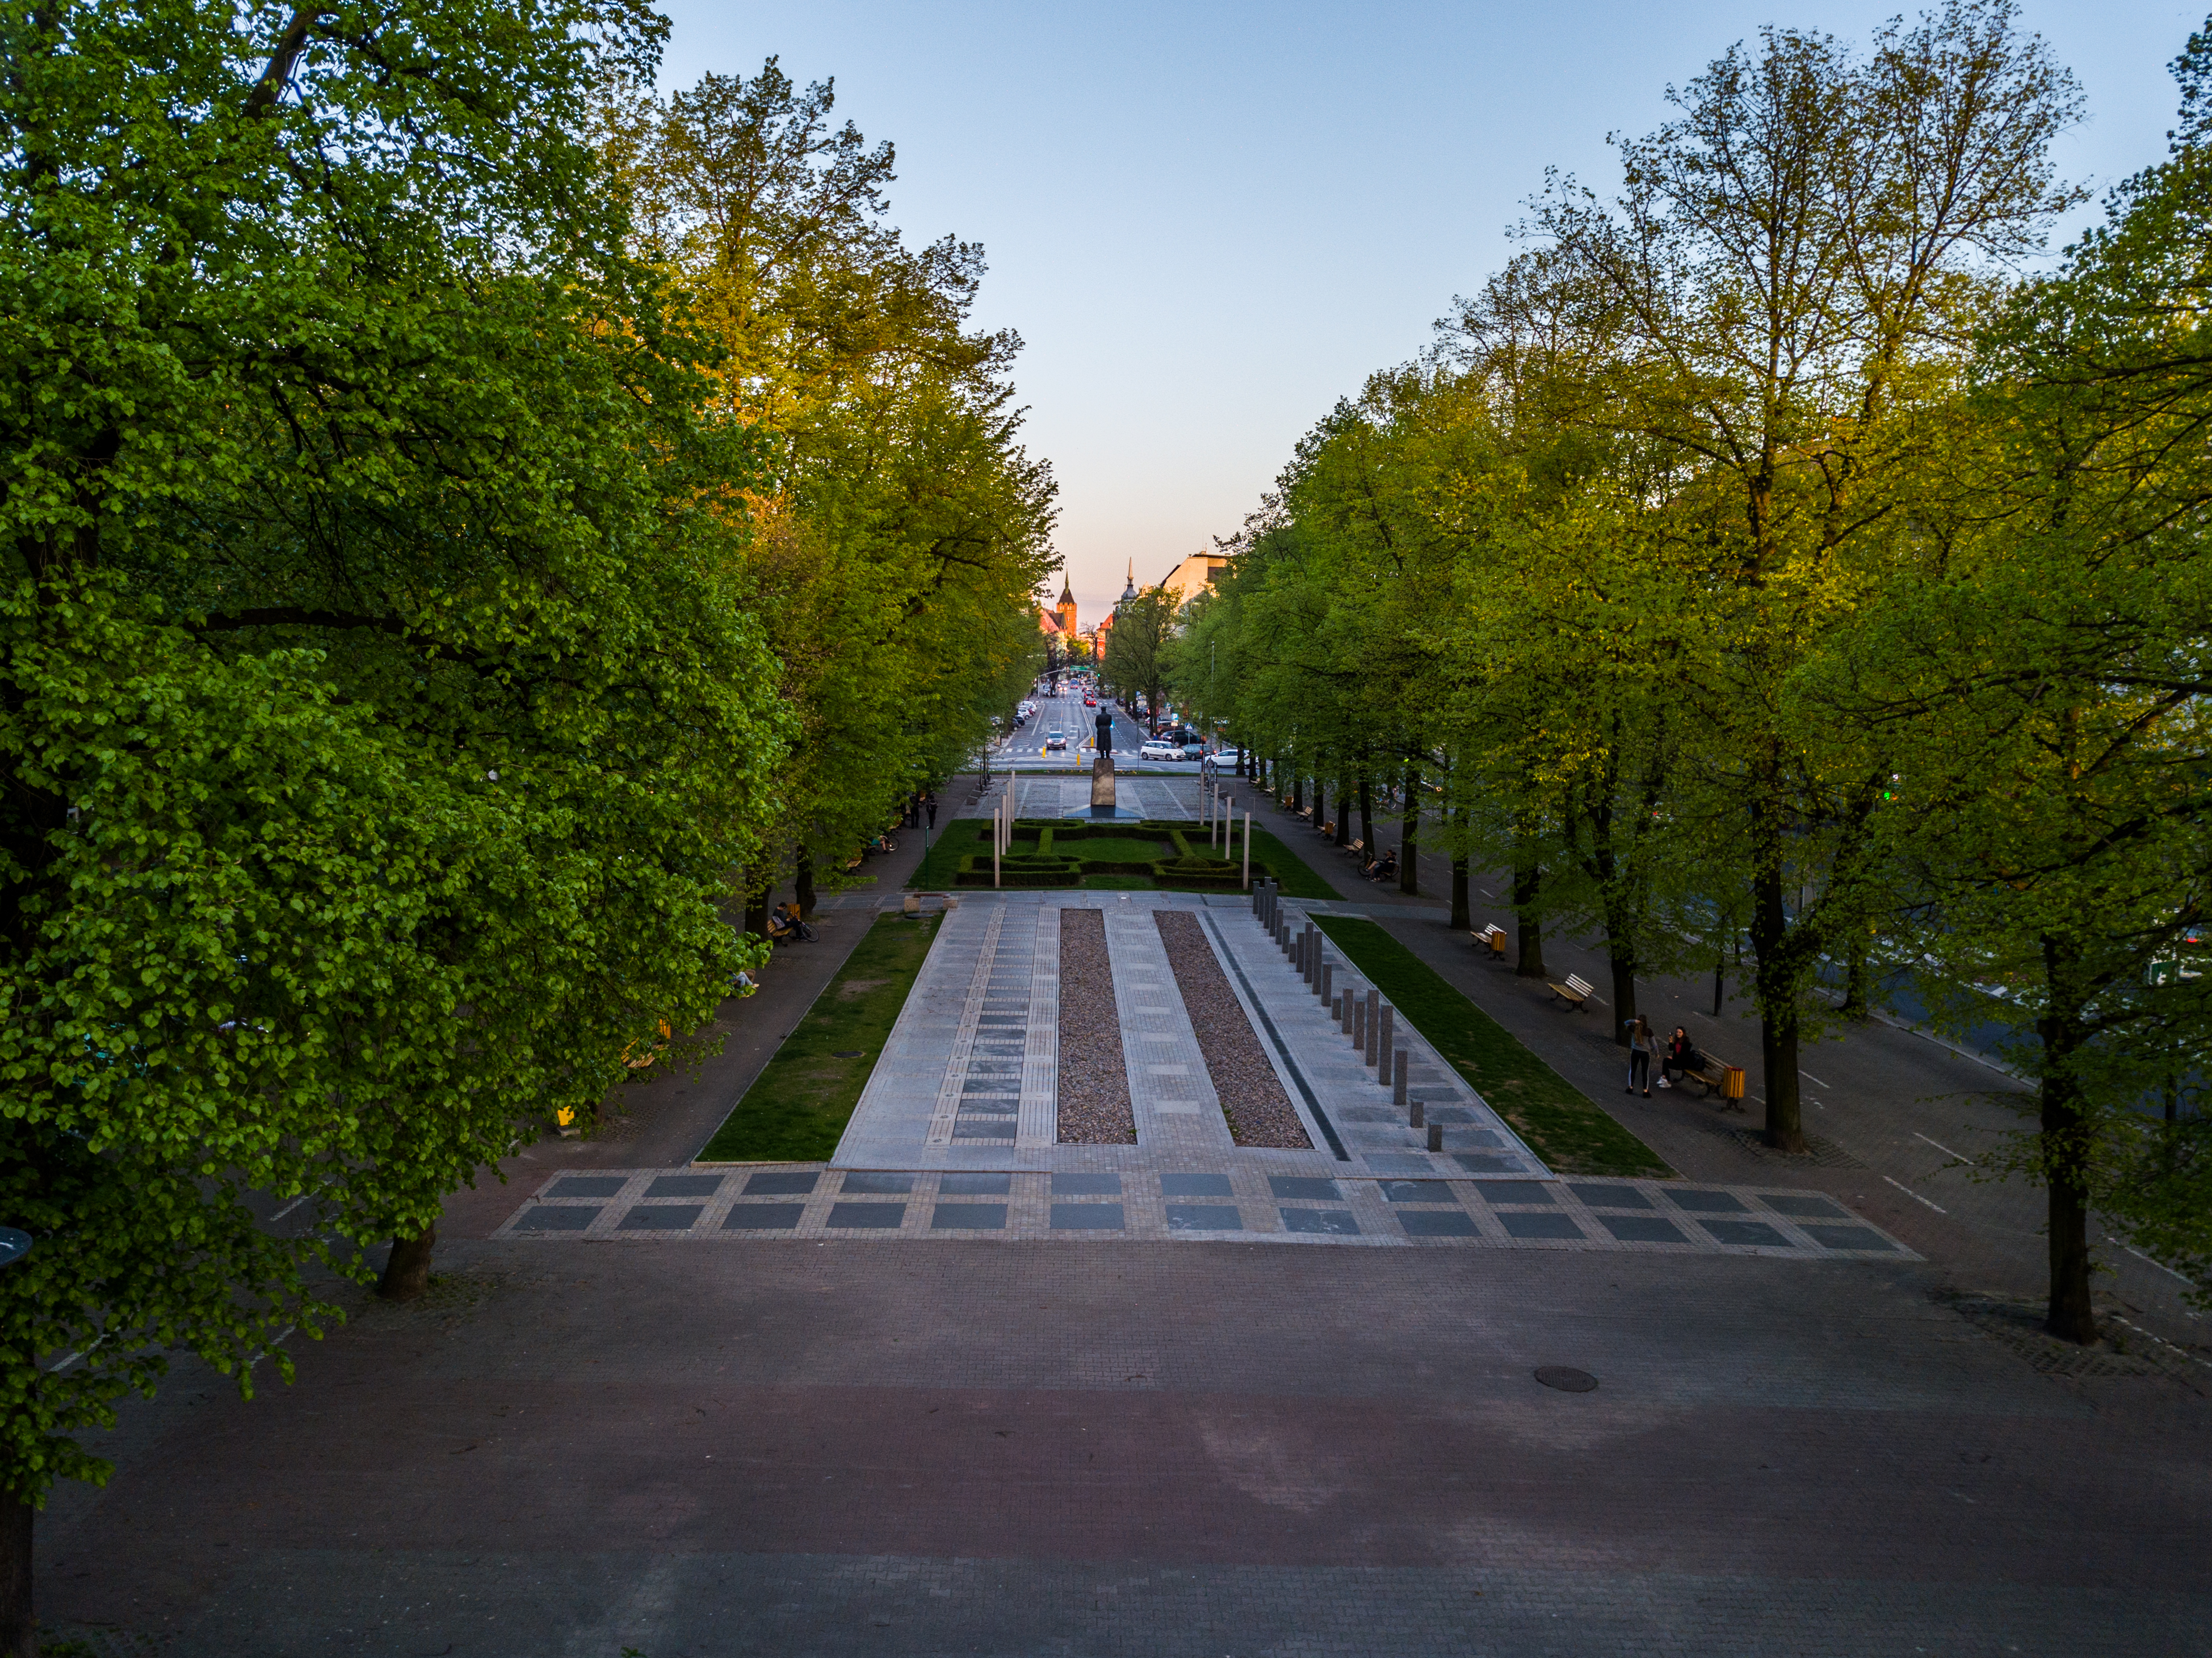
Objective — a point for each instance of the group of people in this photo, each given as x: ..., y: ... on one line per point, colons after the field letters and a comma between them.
x: 1678, y: 1053
x: 1383, y: 868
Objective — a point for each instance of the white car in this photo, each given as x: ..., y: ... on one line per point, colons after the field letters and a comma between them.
x: 1155, y: 748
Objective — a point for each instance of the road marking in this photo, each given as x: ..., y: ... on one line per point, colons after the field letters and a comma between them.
x: 1940, y: 1146
x: 1916, y: 1196
x: 2161, y: 1264
x: 1810, y: 1077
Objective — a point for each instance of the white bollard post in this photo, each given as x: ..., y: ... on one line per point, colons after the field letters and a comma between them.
x: 1247, y: 852
x: 997, y: 825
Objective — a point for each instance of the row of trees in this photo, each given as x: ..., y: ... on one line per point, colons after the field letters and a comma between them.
x: 471, y: 525
x: 1761, y: 562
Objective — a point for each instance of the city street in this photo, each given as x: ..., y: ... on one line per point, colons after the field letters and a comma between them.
x: 1025, y: 749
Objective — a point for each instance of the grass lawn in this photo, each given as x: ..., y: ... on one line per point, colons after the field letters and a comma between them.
x: 1559, y: 1121
x: 798, y: 1106
x: 965, y: 835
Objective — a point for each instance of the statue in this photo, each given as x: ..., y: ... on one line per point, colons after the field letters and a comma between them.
x: 1102, y: 769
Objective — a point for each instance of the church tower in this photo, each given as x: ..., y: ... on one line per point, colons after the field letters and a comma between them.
x: 1066, y: 608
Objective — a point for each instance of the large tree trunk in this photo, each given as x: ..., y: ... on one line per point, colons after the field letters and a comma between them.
x: 1343, y: 812
x: 1297, y: 791
x: 1367, y: 816
x: 407, y: 1269
x: 2067, y: 1147
x: 806, y: 880
x: 1777, y: 1012
x: 1528, y: 881
x: 1409, y: 837
x: 1321, y: 802
x: 19, y: 1627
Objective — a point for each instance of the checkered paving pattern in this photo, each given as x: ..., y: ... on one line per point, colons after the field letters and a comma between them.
x: 1243, y: 1202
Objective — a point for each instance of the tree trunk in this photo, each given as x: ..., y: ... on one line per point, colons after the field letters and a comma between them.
x: 1462, y: 915
x: 757, y: 895
x: 1855, y: 982
x: 1297, y: 793
x: 1409, y: 837
x: 806, y: 879
x: 1528, y: 881
x: 407, y: 1269
x: 1321, y: 802
x: 1777, y: 1012
x: 2067, y: 1146
x: 1343, y: 812
x: 1624, y: 994
x: 19, y: 1627
x: 1720, y: 983
x: 1367, y: 816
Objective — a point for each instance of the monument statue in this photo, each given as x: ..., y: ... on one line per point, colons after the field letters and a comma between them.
x: 1102, y: 769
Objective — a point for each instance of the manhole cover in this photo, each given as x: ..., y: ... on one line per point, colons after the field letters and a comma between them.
x: 848, y: 1052
x: 1567, y: 1379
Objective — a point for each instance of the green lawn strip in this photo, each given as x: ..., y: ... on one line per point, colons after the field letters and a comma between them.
x: 946, y: 848
x: 1559, y: 1123
x: 963, y: 836
x: 800, y: 1102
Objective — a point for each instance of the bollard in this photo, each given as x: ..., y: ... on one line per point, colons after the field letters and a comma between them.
x: 1398, y: 1085
x: 1309, y: 954
x: 1382, y: 1042
x: 1374, y: 1031
x: 1435, y: 1136
x: 1344, y: 1014
x: 1327, y: 988
x: 1297, y: 949
x: 1336, y: 1010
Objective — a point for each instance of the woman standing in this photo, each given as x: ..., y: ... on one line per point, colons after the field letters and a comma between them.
x: 1643, y: 1047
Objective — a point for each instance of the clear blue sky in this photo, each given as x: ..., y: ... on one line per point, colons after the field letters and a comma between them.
x: 1210, y: 221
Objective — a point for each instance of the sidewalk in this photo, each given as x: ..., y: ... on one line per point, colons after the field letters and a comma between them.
x: 1899, y: 1122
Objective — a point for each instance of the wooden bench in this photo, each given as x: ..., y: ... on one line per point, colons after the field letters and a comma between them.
x: 1493, y: 938
x: 1330, y: 828
x: 1357, y: 849
x: 1577, y: 990
x: 1717, y: 1077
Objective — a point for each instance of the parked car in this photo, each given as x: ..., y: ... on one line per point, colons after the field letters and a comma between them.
x: 1159, y: 748
x: 1056, y: 739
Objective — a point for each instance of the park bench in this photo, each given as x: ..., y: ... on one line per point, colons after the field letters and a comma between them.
x: 1330, y: 828
x: 1716, y: 1077
x: 1577, y: 990
x: 1357, y: 849
x: 1493, y: 938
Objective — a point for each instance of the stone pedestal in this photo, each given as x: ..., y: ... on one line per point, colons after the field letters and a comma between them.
x: 1101, y: 786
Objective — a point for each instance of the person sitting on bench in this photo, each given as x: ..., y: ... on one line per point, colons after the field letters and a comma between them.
x: 1681, y: 1055
x: 1383, y: 867
x: 785, y: 923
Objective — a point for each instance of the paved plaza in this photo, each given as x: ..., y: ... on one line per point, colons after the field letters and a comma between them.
x: 965, y: 1389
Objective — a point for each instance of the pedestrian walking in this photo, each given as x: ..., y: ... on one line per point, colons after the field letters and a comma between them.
x: 1642, y: 1048
x: 929, y: 805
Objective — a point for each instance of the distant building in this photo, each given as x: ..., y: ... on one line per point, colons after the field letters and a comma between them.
x: 1189, y: 579
x: 1067, y: 609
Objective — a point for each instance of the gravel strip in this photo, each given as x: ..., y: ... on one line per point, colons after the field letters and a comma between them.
x: 1252, y: 1097
x: 1094, y: 1079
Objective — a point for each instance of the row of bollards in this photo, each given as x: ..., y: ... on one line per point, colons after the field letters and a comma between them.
x: 1368, y: 1022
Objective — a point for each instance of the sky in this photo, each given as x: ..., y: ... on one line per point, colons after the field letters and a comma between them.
x: 1211, y: 220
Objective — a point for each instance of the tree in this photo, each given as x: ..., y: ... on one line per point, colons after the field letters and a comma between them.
x: 2043, y: 662
x: 380, y: 721
x: 1793, y: 270
x: 1137, y: 647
